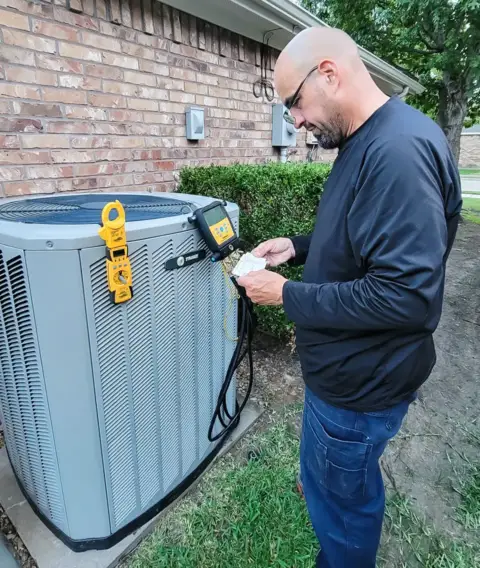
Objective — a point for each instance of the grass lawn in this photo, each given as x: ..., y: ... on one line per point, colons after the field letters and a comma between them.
x: 469, y: 172
x: 471, y: 209
x: 247, y: 513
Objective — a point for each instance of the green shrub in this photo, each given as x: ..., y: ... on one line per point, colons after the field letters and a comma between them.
x: 275, y: 200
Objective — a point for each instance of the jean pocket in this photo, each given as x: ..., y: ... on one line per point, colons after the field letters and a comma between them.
x: 340, y: 465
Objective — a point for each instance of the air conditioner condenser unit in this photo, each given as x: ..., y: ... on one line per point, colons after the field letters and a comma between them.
x: 107, y: 406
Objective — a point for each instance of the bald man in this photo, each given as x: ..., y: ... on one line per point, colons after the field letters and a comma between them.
x: 372, y: 289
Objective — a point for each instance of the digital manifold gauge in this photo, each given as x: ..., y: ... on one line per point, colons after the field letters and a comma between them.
x: 217, y: 230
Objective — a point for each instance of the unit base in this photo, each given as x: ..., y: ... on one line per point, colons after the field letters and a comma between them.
x: 113, y: 539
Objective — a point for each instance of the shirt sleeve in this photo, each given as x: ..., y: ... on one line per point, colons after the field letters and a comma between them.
x: 301, y: 244
x: 398, y: 234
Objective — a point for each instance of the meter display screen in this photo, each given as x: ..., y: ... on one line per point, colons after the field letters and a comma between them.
x: 219, y: 225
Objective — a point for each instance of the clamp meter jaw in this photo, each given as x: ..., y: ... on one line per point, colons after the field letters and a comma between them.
x: 119, y: 270
x: 217, y: 230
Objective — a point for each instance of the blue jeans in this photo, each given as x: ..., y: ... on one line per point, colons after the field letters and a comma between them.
x: 341, y: 479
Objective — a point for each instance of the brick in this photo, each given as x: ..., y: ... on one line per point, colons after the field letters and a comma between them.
x: 149, y: 93
x: 207, y: 79
x: 126, y: 142
x: 31, y: 76
x: 107, y: 101
x: 58, y: 64
x: 90, y: 142
x: 102, y: 182
x: 126, y: 14
x: 14, y: 158
x: 80, y: 82
x: 85, y: 113
x: 120, y: 61
x: 28, y: 41
x: 29, y: 187
x: 9, y: 141
x: 79, y: 52
x: 20, y: 125
x: 19, y: 91
x: 14, y: 20
x: 148, y: 16
x: 11, y: 174
x: 103, y: 128
x: 89, y: 7
x: 15, y: 55
x: 28, y: 7
x: 137, y: 51
x: 142, y: 104
x: 116, y: 88
x: 178, y: 97
x: 49, y: 172
x: 37, y: 109
x: 69, y: 127
x: 170, y: 84
x: 140, y: 179
x: 102, y: 9
x: 196, y: 88
x: 161, y: 118
x: 174, y: 108
x: 119, y: 32
x: 217, y: 70
x: 77, y: 20
x: 90, y: 170
x: 156, y: 68
x: 45, y: 141
x: 185, y: 74
x: 113, y: 155
x: 140, y: 78
x: 206, y: 101
x: 116, y: 15
x: 196, y: 65
x: 144, y: 155
x: 218, y: 92
x: 55, y: 30
x: 67, y: 96
x: 101, y: 42
x: 164, y: 165
x: 162, y: 56
x: 125, y: 116
x: 72, y: 156
x: 104, y: 72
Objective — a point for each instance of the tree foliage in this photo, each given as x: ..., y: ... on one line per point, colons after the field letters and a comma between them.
x: 437, y: 41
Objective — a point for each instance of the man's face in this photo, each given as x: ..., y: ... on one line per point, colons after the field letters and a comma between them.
x: 313, y: 102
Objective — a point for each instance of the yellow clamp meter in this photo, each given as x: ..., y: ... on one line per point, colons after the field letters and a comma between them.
x: 119, y: 270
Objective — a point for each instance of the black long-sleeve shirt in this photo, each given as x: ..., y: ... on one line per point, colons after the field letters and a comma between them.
x: 372, y: 290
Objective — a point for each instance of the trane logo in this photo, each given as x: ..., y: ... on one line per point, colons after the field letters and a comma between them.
x: 191, y: 257
x: 185, y: 260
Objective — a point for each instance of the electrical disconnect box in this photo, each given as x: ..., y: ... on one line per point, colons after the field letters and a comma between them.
x: 195, y: 123
x: 283, y: 133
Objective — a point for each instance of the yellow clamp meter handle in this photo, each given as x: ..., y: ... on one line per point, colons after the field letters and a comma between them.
x: 119, y: 270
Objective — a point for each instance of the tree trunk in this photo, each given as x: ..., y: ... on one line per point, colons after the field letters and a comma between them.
x: 452, y: 110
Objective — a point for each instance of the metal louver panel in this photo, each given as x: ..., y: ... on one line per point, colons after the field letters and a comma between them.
x: 185, y: 308
x: 166, y: 344
x: 111, y: 346
x: 22, y: 395
x: 161, y: 359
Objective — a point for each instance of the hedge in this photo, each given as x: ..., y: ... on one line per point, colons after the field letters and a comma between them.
x: 275, y: 200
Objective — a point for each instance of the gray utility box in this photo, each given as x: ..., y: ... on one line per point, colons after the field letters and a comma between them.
x: 106, y: 407
x: 284, y: 134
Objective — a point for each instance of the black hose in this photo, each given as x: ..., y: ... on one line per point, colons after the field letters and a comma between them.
x: 246, y: 333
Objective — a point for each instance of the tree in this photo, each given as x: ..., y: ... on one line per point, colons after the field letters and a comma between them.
x: 437, y: 41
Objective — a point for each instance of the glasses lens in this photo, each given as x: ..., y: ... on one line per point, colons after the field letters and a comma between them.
x: 288, y: 117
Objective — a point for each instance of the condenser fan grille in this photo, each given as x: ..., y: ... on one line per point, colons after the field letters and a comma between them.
x: 87, y: 209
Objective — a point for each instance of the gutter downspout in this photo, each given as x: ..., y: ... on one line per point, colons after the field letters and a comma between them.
x: 404, y: 92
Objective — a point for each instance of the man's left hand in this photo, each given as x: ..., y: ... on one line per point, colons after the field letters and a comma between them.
x: 263, y: 287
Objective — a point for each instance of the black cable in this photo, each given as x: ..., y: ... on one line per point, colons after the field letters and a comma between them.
x: 246, y: 333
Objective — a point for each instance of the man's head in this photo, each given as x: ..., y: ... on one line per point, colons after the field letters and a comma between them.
x: 319, y: 76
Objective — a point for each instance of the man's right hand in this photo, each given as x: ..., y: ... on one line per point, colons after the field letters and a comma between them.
x: 275, y: 251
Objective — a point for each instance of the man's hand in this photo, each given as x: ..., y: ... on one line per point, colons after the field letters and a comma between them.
x: 263, y: 287
x: 275, y: 251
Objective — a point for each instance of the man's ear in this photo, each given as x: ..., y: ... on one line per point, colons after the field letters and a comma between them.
x: 329, y: 70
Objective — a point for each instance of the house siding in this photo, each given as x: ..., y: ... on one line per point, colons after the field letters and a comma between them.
x: 93, y: 96
x: 470, y: 151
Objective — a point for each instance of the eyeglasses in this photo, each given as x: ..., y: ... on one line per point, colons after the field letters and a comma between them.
x: 291, y: 101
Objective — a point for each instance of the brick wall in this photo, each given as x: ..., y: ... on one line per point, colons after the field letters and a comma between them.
x: 93, y: 96
x: 470, y: 151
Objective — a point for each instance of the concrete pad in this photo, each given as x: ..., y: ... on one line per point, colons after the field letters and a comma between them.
x: 49, y: 552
